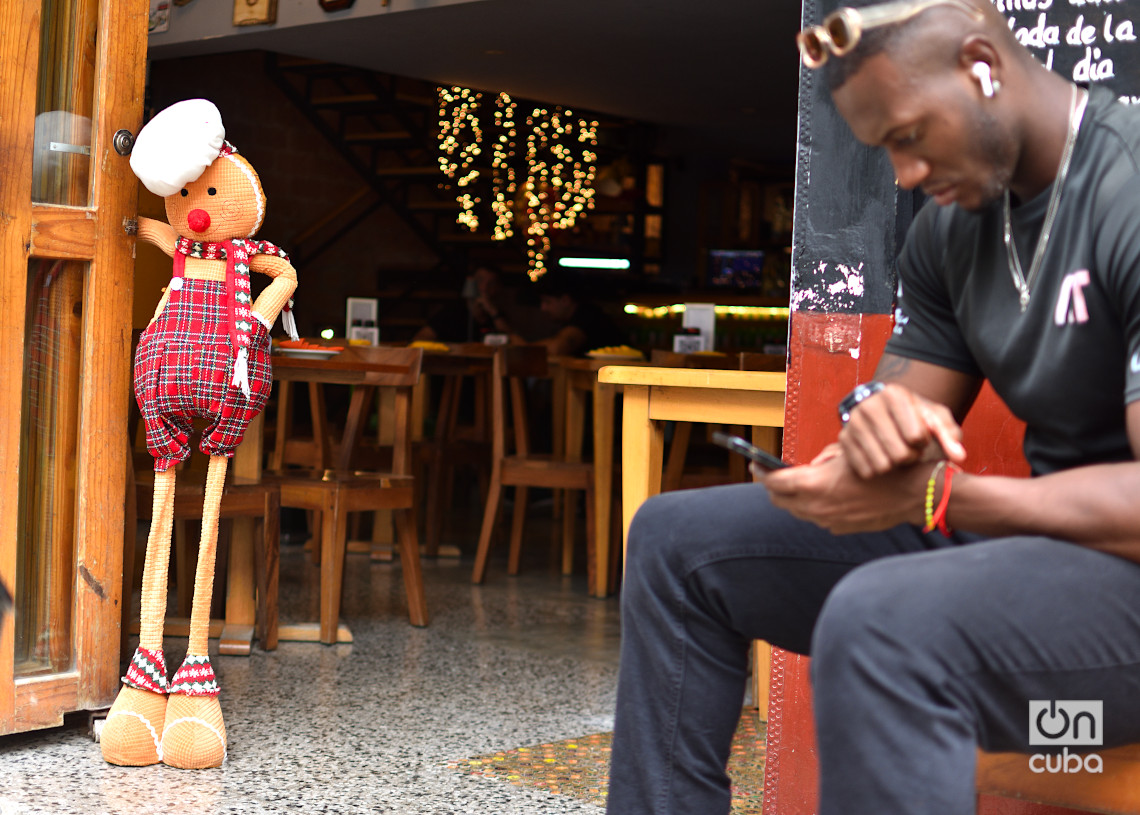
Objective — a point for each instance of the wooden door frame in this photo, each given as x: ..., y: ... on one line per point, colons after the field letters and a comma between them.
x: 98, y: 235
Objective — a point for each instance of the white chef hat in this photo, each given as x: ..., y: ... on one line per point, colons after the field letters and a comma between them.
x: 177, y: 145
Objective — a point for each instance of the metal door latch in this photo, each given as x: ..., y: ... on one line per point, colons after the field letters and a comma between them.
x: 61, y: 147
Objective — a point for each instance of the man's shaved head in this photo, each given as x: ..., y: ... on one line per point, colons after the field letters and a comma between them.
x: 927, y: 40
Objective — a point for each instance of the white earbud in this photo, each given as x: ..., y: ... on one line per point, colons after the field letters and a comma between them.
x: 982, y: 71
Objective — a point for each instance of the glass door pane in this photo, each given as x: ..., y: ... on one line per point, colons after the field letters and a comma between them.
x: 45, y: 558
x: 61, y: 167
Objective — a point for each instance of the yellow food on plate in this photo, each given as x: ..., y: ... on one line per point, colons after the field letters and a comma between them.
x: 616, y: 351
x: 306, y: 345
x: 428, y: 345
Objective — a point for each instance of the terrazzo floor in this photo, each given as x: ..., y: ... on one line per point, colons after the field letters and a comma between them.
x: 375, y: 726
x: 468, y: 715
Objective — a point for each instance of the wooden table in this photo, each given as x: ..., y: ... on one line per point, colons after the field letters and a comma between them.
x: 352, y: 366
x: 654, y: 396
x: 657, y: 395
x: 574, y: 378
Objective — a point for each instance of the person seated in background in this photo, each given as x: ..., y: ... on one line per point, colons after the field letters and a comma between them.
x: 581, y: 324
x: 470, y: 319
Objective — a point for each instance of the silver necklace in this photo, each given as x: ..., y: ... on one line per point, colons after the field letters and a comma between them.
x: 1020, y: 281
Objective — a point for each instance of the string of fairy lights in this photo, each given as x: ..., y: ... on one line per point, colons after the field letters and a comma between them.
x: 460, y: 143
x: 503, y: 176
x: 559, y: 165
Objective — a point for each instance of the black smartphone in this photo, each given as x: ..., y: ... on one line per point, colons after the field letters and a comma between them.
x: 766, y: 460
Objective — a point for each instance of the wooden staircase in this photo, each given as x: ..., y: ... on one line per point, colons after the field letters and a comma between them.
x: 385, y: 127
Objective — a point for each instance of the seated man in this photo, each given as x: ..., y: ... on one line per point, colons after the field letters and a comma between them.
x: 468, y: 320
x: 935, y: 604
x: 581, y: 324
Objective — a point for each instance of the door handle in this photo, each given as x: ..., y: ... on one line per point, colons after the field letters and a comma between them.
x: 123, y: 142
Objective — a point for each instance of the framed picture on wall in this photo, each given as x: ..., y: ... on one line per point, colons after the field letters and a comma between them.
x: 255, y: 12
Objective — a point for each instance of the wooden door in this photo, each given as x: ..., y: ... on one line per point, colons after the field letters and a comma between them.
x: 71, y: 75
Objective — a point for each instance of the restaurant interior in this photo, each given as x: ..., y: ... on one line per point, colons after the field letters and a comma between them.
x: 412, y: 602
x: 401, y: 148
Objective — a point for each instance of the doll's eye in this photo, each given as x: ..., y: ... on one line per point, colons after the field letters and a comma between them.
x: 212, y: 190
x: 185, y: 193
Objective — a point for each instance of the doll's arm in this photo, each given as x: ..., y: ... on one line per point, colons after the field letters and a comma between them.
x: 270, y: 302
x: 159, y: 233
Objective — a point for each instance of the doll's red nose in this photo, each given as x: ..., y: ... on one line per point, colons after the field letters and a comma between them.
x: 198, y: 220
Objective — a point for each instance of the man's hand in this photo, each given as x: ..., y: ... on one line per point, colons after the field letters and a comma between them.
x: 830, y: 494
x: 896, y: 428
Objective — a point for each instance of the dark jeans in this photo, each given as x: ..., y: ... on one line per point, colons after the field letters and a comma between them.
x: 922, y: 649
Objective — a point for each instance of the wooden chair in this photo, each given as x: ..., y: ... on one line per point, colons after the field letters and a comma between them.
x: 453, y: 443
x: 332, y: 494
x: 258, y: 501
x: 524, y: 469
x: 314, y: 451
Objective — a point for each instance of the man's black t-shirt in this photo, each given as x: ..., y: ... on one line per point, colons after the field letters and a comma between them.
x: 1070, y: 363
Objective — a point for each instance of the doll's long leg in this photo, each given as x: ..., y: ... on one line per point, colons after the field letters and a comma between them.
x: 133, y: 731
x: 207, y: 556
x: 195, y: 736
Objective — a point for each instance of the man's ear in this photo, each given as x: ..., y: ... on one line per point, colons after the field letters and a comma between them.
x: 978, y: 50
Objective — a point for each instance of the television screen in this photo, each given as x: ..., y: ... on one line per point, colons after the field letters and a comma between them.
x: 736, y: 269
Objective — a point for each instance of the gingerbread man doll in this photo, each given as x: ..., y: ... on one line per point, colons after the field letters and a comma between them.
x: 205, y: 354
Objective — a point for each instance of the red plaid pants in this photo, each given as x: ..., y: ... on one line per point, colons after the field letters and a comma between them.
x: 183, y: 369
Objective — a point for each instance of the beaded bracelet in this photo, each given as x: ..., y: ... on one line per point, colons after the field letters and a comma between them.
x: 930, y: 485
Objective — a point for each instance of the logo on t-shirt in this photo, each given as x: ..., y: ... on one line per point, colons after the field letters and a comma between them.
x: 1071, y: 306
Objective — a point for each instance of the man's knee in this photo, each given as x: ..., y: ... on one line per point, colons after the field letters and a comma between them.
x: 895, y: 609
x: 674, y: 527
x: 655, y: 546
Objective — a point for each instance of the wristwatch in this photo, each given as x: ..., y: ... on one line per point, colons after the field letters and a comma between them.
x: 856, y: 396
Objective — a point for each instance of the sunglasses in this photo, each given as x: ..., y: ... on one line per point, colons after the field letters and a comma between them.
x: 841, y: 30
